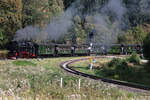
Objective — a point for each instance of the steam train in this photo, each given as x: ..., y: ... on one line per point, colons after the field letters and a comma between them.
x: 27, y: 49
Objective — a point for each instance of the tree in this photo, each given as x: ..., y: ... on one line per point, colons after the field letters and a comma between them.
x: 79, y: 31
x: 37, y: 12
x: 2, y: 39
x: 146, y: 47
x: 10, y: 19
x: 135, y: 35
x: 67, y: 3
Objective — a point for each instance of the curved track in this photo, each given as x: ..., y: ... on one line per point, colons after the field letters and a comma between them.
x: 121, y: 84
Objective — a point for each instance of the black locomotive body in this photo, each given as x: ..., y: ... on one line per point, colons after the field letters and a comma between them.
x: 28, y: 49
x: 22, y: 49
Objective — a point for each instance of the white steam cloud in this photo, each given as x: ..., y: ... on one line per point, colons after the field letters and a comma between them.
x: 145, y: 6
x: 107, y: 32
x: 60, y: 26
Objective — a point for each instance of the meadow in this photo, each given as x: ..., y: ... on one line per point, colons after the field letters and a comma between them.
x: 33, y: 79
x: 129, y: 69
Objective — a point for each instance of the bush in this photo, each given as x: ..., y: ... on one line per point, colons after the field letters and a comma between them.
x: 114, y: 62
x: 122, y: 68
x: 117, y: 62
x: 146, y: 47
x: 134, y: 58
x: 118, y: 65
x: 117, y: 68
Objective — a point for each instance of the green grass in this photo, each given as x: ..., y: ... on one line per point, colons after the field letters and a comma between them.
x: 119, y: 69
x: 23, y: 63
x: 21, y: 78
x: 84, y: 66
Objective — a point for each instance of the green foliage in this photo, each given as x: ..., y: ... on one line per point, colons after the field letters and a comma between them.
x: 134, y: 58
x: 120, y: 66
x: 120, y: 69
x: 16, y: 14
x: 77, y: 33
x: 138, y: 34
x: 114, y: 62
x: 135, y: 35
x: 2, y: 39
x: 146, y: 47
x: 10, y: 20
x: 115, y: 68
x: 23, y: 63
x: 36, y: 12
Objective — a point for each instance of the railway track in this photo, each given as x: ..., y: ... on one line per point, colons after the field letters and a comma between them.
x: 121, y: 84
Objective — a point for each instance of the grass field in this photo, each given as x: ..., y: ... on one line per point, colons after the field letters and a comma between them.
x: 41, y: 78
x: 84, y: 65
x: 117, y: 69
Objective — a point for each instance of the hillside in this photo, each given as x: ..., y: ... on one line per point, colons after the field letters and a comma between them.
x: 111, y: 21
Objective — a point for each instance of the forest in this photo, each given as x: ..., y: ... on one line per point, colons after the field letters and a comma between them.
x: 111, y: 21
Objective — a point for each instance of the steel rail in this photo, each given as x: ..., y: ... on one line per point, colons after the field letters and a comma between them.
x: 65, y: 66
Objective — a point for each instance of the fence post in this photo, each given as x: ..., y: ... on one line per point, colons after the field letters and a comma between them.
x: 79, y: 84
x: 61, y: 82
x: 91, y: 66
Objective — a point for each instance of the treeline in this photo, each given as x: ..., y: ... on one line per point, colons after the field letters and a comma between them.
x: 17, y: 14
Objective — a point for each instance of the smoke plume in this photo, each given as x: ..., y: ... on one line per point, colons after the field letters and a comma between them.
x: 145, y: 6
x: 52, y: 31
x: 109, y: 21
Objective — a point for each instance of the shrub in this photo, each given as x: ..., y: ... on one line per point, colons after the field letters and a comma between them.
x: 134, y: 58
x: 114, y: 62
x: 117, y: 68
x: 122, y: 67
x: 146, y: 47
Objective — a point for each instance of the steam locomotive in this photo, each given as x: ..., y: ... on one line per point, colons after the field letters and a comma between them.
x: 28, y: 49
